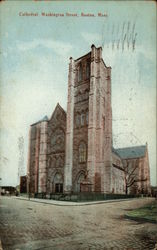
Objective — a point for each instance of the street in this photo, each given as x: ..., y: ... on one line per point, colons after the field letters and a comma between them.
x: 32, y: 225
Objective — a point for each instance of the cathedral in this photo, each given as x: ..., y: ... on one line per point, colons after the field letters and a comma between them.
x: 72, y: 151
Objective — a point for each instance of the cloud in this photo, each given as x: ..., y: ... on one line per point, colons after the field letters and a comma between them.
x: 59, y: 47
x: 91, y: 37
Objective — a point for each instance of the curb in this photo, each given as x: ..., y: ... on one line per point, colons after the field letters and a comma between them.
x: 61, y: 203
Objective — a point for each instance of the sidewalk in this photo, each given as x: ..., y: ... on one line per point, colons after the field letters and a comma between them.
x: 70, y: 203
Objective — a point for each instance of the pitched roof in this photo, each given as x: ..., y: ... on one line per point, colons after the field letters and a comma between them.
x: 131, y: 152
x: 45, y: 118
x: 115, y: 152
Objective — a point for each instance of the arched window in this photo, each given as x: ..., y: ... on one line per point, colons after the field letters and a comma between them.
x: 87, y: 70
x: 86, y: 94
x: 82, y: 152
x: 59, y: 162
x: 82, y: 119
x: 80, y: 73
x: 78, y: 120
x: 58, y: 178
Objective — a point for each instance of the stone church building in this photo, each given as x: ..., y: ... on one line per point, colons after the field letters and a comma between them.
x: 72, y: 151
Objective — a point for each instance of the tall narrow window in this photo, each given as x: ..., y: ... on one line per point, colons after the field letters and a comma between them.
x: 103, y: 123
x: 86, y: 94
x: 77, y: 120
x: 82, y: 152
x: 87, y: 70
x: 87, y: 117
x: 82, y: 119
x: 80, y: 73
x: 79, y: 97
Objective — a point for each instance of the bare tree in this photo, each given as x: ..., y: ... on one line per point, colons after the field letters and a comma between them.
x: 131, y: 176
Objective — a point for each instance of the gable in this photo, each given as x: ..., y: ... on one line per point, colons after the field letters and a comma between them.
x: 59, y: 114
x: 56, y: 131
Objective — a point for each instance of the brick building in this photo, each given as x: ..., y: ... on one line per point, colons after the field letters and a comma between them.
x: 72, y: 151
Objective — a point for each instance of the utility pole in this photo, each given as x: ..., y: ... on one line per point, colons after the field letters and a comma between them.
x: 21, y: 157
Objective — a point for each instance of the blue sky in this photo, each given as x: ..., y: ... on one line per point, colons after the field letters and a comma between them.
x: 34, y: 61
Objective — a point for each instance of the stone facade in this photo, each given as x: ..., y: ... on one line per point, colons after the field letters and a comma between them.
x: 72, y: 151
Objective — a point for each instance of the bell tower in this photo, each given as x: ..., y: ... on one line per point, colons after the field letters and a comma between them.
x: 88, y: 164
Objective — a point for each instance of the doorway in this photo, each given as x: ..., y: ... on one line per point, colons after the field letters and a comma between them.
x: 58, y: 183
x: 80, y: 179
x: 59, y: 188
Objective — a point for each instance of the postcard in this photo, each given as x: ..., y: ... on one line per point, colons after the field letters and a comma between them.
x: 78, y: 122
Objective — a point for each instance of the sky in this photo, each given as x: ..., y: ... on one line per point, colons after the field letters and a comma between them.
x: 34, y: 58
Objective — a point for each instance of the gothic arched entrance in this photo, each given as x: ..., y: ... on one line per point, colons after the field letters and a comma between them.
x: 58, y: 183
x: 79, y: 180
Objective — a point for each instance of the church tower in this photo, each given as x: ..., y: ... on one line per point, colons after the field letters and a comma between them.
x: 88, y: 164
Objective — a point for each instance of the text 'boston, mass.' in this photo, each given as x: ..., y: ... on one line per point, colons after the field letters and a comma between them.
x: 67, y: 14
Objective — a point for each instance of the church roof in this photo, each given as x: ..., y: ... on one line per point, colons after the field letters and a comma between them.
x: 131, y: 152
x: 45, y: 118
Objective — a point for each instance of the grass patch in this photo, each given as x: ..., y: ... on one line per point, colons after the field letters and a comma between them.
x: 146, y: 213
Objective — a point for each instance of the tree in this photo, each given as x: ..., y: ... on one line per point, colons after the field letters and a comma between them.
x: 131, y: 175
